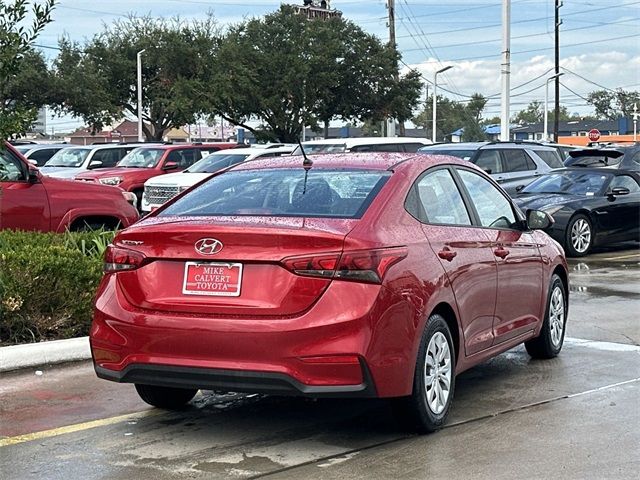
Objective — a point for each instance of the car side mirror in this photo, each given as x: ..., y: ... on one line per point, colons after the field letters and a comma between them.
x: 33, y: 177
x: 618, y: 191
x: 95, y: 164
x: 519, y: 188
x: 170, y: 166
x: 539, y: 220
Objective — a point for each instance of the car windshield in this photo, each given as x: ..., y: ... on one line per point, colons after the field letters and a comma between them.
x: 572, y: 183
x: 213, y: 163
x: 141, y: 158
x: 463, y: 154
x: 69, y: 157
x: 283, y: 193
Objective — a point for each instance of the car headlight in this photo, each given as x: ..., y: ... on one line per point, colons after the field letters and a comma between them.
x: 111, y: 180
x: 552, y: 209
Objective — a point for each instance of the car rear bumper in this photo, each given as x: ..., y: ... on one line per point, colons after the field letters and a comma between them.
x: 233, y: 380
x: 352, y: 342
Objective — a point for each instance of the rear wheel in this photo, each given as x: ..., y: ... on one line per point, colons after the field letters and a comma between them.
x: 579, y: 236
x: 165, y: 397
x: 434, y: 380
x: 549, y: 343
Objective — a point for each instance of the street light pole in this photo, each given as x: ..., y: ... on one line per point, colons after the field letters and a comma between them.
x: 635, y: 122
x: 435, y: 100
x: 505, y: 71
x: 545, y: 135
x: 139, y: 64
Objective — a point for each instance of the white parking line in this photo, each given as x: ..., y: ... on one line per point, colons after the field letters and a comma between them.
x: 606, y: 346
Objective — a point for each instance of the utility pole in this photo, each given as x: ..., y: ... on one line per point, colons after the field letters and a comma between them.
x: 635, y: 122
x: 505, y: 71
x: 139, y: 74
x: 391, y: 5
x: 557, y: 72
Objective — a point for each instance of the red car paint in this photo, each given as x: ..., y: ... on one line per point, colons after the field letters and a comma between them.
x: 324, y: 335
x: 50, y: 205
x: 133, y: 178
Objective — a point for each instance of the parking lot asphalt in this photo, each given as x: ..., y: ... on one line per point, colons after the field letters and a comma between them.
x: 576, y: 416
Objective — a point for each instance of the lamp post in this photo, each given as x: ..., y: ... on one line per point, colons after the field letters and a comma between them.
x: 635, y: 122
x: 435, y: 101
x: 139, y: 63
x: 545, y: 135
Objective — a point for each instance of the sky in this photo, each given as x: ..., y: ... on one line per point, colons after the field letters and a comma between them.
x: 600, y: 40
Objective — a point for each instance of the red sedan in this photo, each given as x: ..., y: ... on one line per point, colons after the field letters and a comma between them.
x: 375, y: 275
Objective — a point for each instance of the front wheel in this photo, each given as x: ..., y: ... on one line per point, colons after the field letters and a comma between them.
x: 434, y: 380
x: 579, y: 236
x: 165, y: 397
x: 549, y: 343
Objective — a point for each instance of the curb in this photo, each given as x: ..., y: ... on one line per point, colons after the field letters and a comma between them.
x: 15, y: 357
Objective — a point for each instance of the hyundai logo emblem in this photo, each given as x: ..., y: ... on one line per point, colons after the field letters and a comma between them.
x: 208, y: 246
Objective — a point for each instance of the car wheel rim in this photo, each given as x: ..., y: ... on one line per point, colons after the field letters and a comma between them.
x: 580, y: 235
x: 437, y: 373
x: 556, y: 316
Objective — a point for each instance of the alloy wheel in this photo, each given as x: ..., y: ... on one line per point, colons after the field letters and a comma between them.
x: 438, y: 373
x: 580, y: 235
x: 556, y: 316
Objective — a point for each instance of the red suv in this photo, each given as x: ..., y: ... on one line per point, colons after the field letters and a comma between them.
x: 375, y: 275
x: 144, y: 163
x: 31, y: 201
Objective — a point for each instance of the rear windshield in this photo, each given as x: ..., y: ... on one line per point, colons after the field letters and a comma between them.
x: 283, y: 193
x: 594, y: 161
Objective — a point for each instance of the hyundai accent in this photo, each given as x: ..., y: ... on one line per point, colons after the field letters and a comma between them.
x: 360, y: 275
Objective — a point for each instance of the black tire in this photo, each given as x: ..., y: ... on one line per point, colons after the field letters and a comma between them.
x: 165, y: 397
x: 414, y: 411
x: 572, y: 249
x: 548, y: 344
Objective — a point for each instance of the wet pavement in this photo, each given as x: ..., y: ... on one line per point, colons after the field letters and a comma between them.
x: 576, y: 416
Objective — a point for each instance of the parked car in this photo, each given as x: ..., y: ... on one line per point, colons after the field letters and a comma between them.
x: 150, y: 161
x: 159, y: 190
x: 363, y: 144
x: 32, y: 201
x: 40, y: 153
x: 71, y: 161
x: 591, y: 206
x: 371, y: 275
x: 516, y: 164
x: 626, y: 157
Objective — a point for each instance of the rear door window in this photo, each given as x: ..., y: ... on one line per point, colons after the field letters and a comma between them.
x: 550, y: 158
x: 412, y: 147
x: 283, y: 192
x: 517, y: 161
x: 489, y: 161
x: 439, y: 200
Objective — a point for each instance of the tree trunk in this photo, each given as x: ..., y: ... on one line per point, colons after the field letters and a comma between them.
x: 326, y: 129
x: 403, y: 132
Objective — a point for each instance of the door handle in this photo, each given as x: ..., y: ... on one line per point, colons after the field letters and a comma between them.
x: 501, y: 252
x: 447, y: 254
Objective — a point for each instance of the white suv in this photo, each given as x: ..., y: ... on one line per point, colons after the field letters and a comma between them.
x: 70, y: 161
x: 160, y: 189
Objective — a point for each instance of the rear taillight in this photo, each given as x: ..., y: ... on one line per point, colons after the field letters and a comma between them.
x: 117, y: 259
x: 367, y: 266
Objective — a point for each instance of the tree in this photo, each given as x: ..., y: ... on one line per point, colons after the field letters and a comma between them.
x: 613, y: 104
x: 20, y: 66
x: 288, y: 71
x: 533, y: 113
x: 454, y: 115
x: 100, y: 83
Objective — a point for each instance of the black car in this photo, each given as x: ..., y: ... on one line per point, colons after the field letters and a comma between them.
x: 625, y: 157
x: 590, y: 206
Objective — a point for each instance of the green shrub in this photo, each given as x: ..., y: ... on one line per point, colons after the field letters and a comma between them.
x: 47, y: 283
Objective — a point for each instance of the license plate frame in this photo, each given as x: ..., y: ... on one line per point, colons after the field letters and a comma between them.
x: 188, y: 282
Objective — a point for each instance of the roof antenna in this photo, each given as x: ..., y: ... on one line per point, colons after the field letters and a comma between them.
x: 307, y: 163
